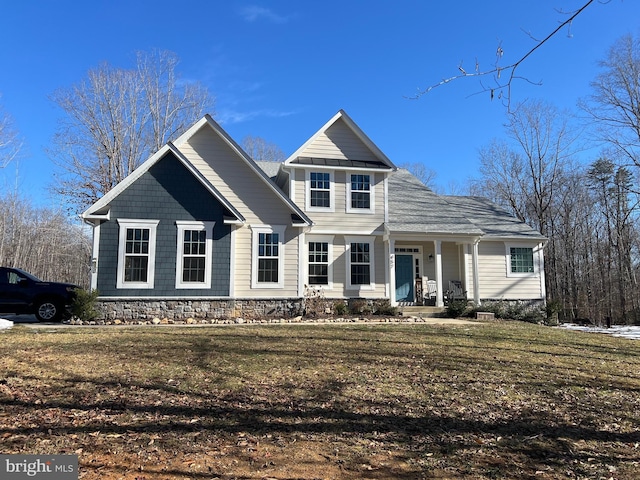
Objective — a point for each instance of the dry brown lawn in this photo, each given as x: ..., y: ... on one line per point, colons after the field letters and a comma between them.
x: 503, y: 400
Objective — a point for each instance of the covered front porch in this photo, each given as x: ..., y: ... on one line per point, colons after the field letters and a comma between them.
x: 424, y: 271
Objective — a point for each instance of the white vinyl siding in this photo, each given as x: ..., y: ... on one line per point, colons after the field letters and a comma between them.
x: 256, y: 201
x: 339, y: 142
x: 496, y: 283
x: 339, y: 219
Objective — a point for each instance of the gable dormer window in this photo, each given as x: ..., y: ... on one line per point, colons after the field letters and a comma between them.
x: 320, y: 191
x: 360, y: 193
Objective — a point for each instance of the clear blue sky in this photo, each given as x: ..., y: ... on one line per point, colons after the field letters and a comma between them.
x: 280, y: 69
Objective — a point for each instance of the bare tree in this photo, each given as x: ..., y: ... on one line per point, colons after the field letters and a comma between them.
x: 502, y: 76
x: 614, y: 105
x: 10, y: 143
x: 115, y: 119
x: 261, y: 150
x: 423, y: 173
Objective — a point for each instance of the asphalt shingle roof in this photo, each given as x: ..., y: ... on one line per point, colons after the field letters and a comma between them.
x: 415, y: 208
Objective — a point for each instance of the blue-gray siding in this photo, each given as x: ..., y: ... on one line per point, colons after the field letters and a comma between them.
x: 167, y: 192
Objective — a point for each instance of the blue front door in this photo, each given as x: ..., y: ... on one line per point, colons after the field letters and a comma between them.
x: 404, y: 278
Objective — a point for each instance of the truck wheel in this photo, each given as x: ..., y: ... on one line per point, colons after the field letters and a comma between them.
x: 47, y: 311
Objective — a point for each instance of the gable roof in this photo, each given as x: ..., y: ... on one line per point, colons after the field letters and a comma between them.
x: 415, y: 208
x: 94, y: 210
x: 298, y: 216
x: 380, y: 161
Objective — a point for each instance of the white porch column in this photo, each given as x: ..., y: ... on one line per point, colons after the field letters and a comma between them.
x: 476, y: 276
x: 392, y: 271
x: 439, y: 285
x: 302, y: 263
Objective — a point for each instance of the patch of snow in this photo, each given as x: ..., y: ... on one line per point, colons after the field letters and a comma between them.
x: 624, y: 331
x: 5, y: 324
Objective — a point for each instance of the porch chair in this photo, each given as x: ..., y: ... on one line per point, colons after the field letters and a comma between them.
x: 455, y: 291
x: 430, y: 294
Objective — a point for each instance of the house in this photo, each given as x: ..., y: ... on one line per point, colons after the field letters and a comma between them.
x: 200, y: 228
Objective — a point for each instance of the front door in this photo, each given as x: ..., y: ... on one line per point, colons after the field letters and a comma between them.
x: 404, y: 278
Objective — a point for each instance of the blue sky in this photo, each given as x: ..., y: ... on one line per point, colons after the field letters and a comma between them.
x: 281, y: 69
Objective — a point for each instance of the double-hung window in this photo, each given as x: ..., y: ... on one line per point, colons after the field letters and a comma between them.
x: 360, y: 193
x: 360, y: 263
x: 320, y: 191
x: 195, y: 244
x: 319, y: 258
x: 136, y: 253
x: 268, y: 257
x: 520, y: 260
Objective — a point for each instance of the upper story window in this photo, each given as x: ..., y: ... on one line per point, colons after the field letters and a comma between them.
x: 195, y: 243
x: 136, y: 253
x: 360, y: 193
x: 320, y: 191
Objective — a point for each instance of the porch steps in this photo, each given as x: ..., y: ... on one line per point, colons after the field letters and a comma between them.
x: 422, y: 311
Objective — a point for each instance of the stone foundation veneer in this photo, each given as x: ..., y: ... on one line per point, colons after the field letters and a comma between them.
x: 147, y: 309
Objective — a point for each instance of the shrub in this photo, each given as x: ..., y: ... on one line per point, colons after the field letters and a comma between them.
x: 340, y: 308
x: 456, y: 308
x: 84, y: 305
x: 358, y: 306
x: 314, y: 302
x: 383, y: 307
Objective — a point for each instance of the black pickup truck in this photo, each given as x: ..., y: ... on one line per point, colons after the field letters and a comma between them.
x: 21, y: 292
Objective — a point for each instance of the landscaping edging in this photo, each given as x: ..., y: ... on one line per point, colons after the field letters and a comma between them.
x: 261, y: 321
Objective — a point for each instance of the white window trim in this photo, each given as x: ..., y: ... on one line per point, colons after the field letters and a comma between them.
x: 190, y: 225
x: 255, y: 234
x: 332, y: 197
x: 322, y: 239
x: 372, y: 270
x: 124, y: 224
x: 372, y: 198
x: 535, y: 251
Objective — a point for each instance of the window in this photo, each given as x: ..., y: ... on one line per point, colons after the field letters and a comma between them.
x: 320, y: 191
x: 195, y: 244
x: 136, y: 253
x: 268, y: 255
x: 318, y: 263
x: 360, y: 263
x: 359, y: 193
x: 520, y: 261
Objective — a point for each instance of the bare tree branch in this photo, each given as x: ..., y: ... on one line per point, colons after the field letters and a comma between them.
x: 503, y: 76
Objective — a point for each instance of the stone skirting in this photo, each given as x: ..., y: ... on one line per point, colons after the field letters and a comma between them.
x: 177, y: 310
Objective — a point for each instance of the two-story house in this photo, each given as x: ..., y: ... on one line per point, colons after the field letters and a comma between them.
x: 202, y: 229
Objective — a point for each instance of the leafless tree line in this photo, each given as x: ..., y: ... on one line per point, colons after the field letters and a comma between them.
x: 589, y: 212
x: 43, y: 242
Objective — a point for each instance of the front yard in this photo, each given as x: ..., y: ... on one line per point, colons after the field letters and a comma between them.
x: 501, y: 400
